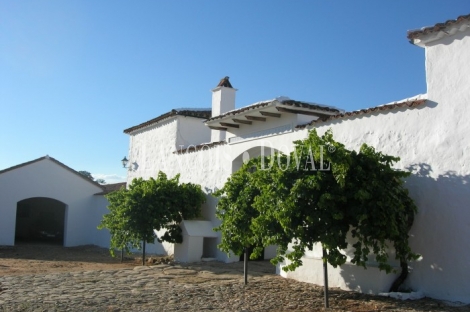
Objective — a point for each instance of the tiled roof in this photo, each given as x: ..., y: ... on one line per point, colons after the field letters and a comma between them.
x: 55, y: 161
x: 197, y: 113
x: 377, y: 109
x: 108, y: 188
x: 439, y: 27
x: 288, y: 102
x: 196, y: 148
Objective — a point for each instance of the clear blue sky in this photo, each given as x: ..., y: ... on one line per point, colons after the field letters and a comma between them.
x: 74, y: 74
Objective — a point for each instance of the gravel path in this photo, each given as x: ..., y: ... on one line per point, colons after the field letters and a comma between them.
x: 198, y: 287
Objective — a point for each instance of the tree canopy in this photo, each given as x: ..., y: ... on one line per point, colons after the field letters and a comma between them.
x: 89, y: 176
x: 320, y: 193
x: 149, y: 205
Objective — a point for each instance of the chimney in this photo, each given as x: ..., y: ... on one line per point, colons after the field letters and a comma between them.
x: 223, y: 100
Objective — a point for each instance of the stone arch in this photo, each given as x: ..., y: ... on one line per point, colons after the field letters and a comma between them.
x: 250, y: 153
x: 40, y: 219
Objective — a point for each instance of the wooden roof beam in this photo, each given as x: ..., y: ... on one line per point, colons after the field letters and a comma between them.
x: 298, y: 111
x: 255, y: 118
x: 217, y: 128
x: 269, y: 114
x: 230, y: 125
x: 242, y: 121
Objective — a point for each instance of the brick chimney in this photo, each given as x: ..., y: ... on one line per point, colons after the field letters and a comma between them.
x: 223, y: 100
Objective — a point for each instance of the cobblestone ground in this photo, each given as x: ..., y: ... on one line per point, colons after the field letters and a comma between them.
x: 198, y: 287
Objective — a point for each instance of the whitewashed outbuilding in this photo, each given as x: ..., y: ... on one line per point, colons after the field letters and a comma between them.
x: 429, y: 132
x: 44, y: 200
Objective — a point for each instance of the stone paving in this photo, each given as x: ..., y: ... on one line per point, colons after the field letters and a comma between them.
x: 198, y: 287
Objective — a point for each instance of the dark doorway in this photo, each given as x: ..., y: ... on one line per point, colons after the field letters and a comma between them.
x: 40, y: 219
x: 250, y: 251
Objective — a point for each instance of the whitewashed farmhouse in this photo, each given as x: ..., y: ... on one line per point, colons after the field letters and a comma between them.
x: 45, y: 199
x: 429, y: 132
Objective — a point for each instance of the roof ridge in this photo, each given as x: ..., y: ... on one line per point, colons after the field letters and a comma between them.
x: 47, y: 157
x: 196, y: 113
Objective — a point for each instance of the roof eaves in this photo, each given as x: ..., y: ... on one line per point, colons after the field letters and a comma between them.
x: 379, y: 109
x: 311, y: 106
x: 415, y: 36
x: 56, y: 162
x: 265, y: 104
x: 242, y: 110
x: 203, y: 114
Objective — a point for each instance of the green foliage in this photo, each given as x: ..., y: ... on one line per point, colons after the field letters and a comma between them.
x: 236, y: 211
x: 320, y: 193
x: 159, y: 203
x: 89, y: 176
x: 86, y: 174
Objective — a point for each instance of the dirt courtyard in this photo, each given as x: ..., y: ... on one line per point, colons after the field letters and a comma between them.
x: 23, y: 260
x: 45, y: 258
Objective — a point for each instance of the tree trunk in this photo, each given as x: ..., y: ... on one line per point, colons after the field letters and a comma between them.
x: 401, y: 278
x: 143, y: 254
x: 245, y: 266
x: 325, y: 277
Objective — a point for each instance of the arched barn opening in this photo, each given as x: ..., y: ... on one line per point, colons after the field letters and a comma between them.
x: 40, y: 219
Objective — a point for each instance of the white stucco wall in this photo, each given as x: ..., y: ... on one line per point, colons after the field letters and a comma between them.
x: 47, y: 179
x: 432, y: 141
x: 256, y: 126
x: 150, y: 147
x: 190, y: 250
x: 191, y: 131
x: 99, y: 237
x: 442, y: 187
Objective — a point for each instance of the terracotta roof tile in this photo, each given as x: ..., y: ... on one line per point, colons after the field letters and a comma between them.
x: 204, y: 114
x: 108, y: 188
x: 415, y: 34
x: 377, y: 109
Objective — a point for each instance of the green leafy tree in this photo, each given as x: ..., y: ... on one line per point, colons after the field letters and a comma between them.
x: 149, y: 205
x: 236, y: 210
x: 317, y: 195
x: 117, y: 221
x: 89, y: 176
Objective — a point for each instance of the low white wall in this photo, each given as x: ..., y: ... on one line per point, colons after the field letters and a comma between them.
x: 348, y: 276
x: 270, y: 252
x: 190, y: 250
